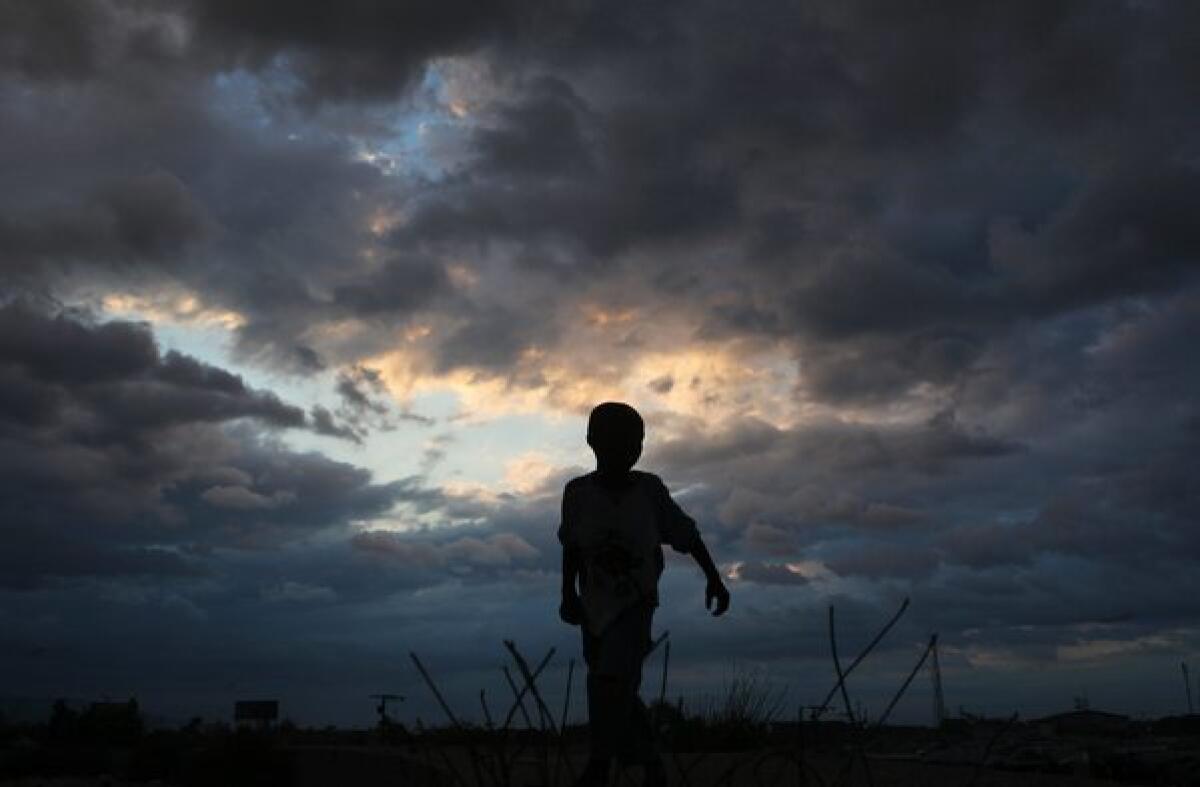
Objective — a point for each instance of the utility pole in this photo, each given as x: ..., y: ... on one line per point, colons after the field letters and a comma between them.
x: 1187, y: 686
x: 939, y: 703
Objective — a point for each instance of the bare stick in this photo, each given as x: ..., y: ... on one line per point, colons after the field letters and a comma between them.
x: 519, y: 702
x: 531, y: 682
x: 837, y: 666
x: 513, y: 708
x: 471, y: 753
x: 449, y: 765
x: 487, y: 714
x: 562, y: 727
x: 979, y: 766
x: 662, y: 690
x: 567, y: 701
x: 685, y: 771
x: 866, y: 768
x: 870, y: 646
x: 499, y: 756
x: 433, y: 687
x: 419, y: 741
x: 543, y: 711
x: 787, y: 755
x: 907, y: 681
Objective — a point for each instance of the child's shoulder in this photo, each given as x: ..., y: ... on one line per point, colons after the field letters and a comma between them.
x: 578, y: 480
x: 640, y: 478
x: 650, y: 480
x: 574, y: 485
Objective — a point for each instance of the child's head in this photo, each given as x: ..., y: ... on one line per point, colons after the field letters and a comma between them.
x: 615, y: 432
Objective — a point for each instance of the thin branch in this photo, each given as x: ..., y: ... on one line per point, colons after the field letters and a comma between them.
x: 487, y: 714
x: 567, y: 701
x: 562, y: 728
x: 662, y: 690
x: 987, y: 750
x: 519, y: 702
x: 471, y: 753
x: 433, y: 687
x: 907, y: 681
x: 654, y: 645
x: 837, y: 666
x: 531, y: 682
x: 513, y: 708
x: 817, y: 713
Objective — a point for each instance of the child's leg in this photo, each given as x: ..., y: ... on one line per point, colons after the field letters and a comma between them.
x: 600, y: 737
x: 619, y: 721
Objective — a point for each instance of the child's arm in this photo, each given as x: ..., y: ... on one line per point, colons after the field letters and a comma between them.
x: 714, y: 589
x: 571, y: 608
x: 679, y: 530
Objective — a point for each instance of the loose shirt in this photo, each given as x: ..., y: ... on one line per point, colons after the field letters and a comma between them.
x: 617, y: 535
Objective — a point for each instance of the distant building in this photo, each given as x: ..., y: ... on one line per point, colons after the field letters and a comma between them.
x: 1084, y: 722
x: 1178, y: 725
x: 259, y: 713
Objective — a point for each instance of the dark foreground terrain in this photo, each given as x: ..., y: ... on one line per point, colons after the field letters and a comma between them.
x: 120, y: 752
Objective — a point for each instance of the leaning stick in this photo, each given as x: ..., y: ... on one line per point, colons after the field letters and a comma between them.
x: 837, y: 666
x: 820, y: 709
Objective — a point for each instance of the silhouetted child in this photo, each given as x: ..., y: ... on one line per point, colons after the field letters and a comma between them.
x: 613, y: 523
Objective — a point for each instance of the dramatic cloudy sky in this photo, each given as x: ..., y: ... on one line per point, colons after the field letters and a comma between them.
x: 304, y: 305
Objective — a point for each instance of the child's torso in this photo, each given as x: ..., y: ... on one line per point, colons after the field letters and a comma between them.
x: 619, y: 543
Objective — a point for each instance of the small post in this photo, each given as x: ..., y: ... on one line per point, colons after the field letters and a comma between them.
x: 939, y: 702
x: 662, y: 691
x: 1187, y: 687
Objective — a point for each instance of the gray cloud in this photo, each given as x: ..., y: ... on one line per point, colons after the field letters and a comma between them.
x: 122, y: 461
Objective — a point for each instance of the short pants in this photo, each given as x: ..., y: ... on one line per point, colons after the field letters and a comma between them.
x: 617, y: 717
x: 622, y: 646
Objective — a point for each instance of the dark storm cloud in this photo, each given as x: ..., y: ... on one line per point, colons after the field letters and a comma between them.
x: 357, y: 50
x: 1130, y: 232
x: 119, y: 460
x: 77, y: 39
x: 364, y: 407
x: 115, y: 373
x: 618, y: 180
x: 829, y: 127
x: 748, y: 444
x: 399, y: 284
x: 148, y: 178
x: 138, y: 219
x: 488, y: 339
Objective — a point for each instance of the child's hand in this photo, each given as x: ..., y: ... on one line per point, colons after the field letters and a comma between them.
x: 715, y: 590
x: 571, y: 609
